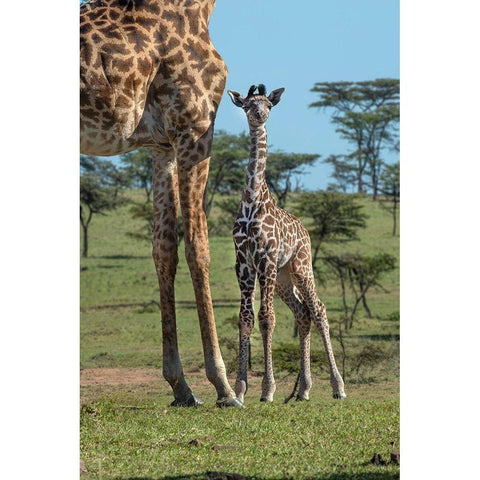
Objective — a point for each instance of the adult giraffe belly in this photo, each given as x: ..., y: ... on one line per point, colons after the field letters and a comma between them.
x: 107, y: 137
x: 95, y: 141
x: 113, y: 117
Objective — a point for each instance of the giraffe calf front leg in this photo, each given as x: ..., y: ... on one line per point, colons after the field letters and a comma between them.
x: 241, y: 384
x: 245, y: 326
x: 266, y: 321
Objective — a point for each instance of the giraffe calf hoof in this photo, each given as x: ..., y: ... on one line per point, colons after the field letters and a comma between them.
x: 230, y: 402
x: 339, y: 396
x: 302, y: 399
x: 266, y: 399
x: 191, y: 401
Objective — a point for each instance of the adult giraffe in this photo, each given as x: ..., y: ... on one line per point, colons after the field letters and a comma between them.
x: 150, y: 77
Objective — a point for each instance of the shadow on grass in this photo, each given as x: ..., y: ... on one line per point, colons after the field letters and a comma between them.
x: 380, y: 475
x: 196, y: 476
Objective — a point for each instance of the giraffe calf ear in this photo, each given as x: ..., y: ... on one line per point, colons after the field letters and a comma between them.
x: 237, y: 99
x: 274, y: 97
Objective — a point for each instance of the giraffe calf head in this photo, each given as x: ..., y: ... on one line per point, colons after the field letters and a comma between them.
x: 256, y: 106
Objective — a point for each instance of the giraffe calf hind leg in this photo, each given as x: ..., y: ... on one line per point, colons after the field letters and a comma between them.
x: 303, y: 280
x: 320, y: 320
x: 305, y: 383
x: 293, y: 300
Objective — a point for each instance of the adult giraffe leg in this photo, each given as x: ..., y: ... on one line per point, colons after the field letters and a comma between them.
x: 287, y: 293
x: 193, y: 167
x: 165, y: 256
x: 302, y: 277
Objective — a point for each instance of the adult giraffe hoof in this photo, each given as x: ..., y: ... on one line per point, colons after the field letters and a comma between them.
x: 191, y: 401
x: 230, y: 402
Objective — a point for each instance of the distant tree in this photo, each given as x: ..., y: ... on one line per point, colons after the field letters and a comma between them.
x: 345, y: 172
x: 366, y: 115
x: 100, y: 183
x: 390, y: 190
x: 138, y: 168
x: 144, y: 212
x: 358, y: 273
x: 229, y: 207
x: 106, y: 172
x: 281, y: 169
x: 331, y: 218
x: 227, y: 166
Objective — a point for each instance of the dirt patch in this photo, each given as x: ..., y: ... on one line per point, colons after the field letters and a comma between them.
x: 149, y: 382
x: 119, y: 376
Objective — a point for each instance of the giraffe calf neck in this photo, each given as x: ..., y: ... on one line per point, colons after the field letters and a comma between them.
x: 262, y: 226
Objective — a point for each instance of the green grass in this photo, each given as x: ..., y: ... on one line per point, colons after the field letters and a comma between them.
x: 120, y: 327
x: 306, y: 440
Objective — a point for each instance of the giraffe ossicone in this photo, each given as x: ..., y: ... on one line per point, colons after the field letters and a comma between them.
x: 273, y: 246
x: 151, y: 77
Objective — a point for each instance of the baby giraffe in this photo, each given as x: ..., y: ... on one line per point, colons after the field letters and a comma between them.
x: 274, y: 246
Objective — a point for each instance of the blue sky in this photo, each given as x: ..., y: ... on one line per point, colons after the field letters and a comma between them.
x: 271, y: 42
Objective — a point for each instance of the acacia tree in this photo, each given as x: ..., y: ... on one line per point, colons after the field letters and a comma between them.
x: 100, y: 182
x: 346, y: 172
x: 390, y: 190
x: 358, y: 273
x: 366, y: 114
x: 332, y: 218
x: 138, y: 168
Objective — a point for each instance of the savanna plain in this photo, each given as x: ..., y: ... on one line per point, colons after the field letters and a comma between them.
x: 128, y: 430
